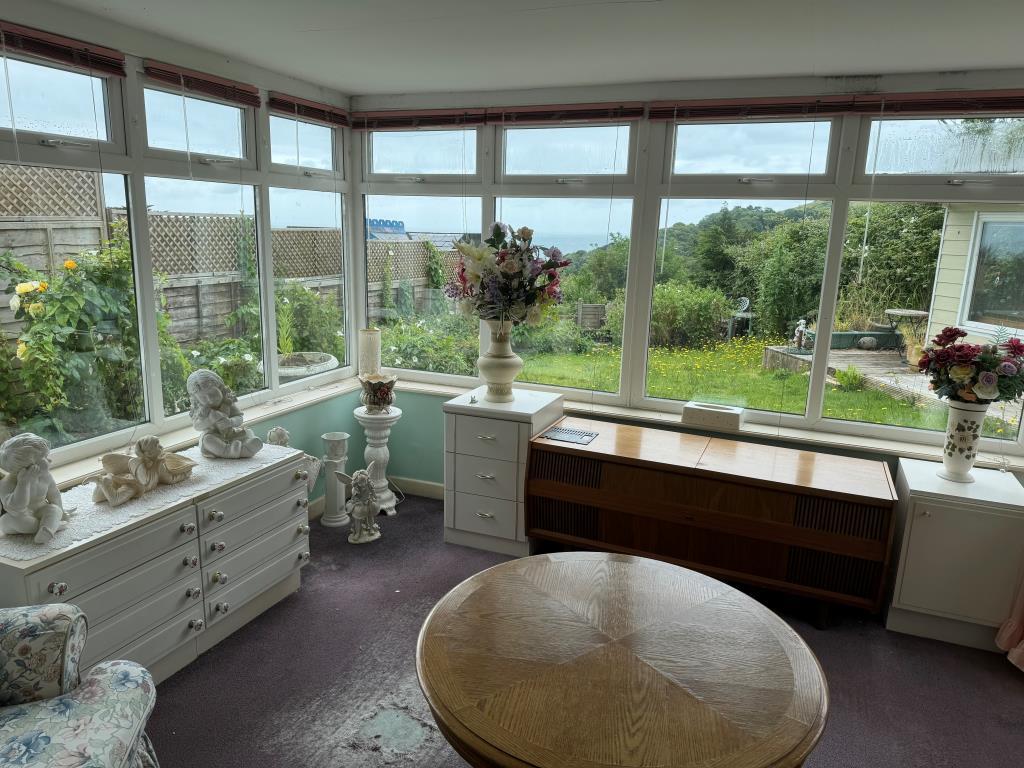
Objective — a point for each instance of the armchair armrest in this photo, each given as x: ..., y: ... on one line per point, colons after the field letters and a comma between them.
x: 40, y: 648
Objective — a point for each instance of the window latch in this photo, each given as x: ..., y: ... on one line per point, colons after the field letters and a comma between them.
x: 412, y: 179
x: 217, y: 160
x: 63, y: 143
x: 961, y: 182
x: 569, y: 180
x: 315, y: 175
x: 755, y: 179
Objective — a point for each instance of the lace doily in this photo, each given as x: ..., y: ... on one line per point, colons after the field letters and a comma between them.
x: 91, y: 518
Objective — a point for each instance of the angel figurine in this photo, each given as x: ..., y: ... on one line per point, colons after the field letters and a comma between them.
x: 129, y: 477
x: 216, y: 415
x: 362, y: 507
x: 28, y: 493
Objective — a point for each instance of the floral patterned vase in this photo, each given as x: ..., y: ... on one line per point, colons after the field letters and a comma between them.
x: 963, y: 433
x: 500, y: 366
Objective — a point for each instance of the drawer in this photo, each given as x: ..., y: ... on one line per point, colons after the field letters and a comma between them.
x: 486, y: 477
x: 231, y: 567
x: 255, y: 583
x: 225, y: 507
x: 490, y: 438
x: 108, y: 636
x: 480, y: 514
x: 156, y: 644
x: 229, y: 538
x: 102, y: 602
x: 111, y: 558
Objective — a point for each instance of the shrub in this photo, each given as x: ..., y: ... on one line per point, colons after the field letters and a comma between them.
x: 316, y: 323
x: 435, y: 266
x: 234, y: 360
x: 686, y: 314
x: 442, y: 343
x: 615, y: 318
x: 850, y: 380
x: 560, y: 336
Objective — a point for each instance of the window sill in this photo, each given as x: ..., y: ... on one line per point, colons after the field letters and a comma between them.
x: 76, y: 472
x: 800, y: 438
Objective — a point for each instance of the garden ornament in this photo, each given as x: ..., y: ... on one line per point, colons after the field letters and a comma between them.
x: 29, y: 496
x: 216, y: 415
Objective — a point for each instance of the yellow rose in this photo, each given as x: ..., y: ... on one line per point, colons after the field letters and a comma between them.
x: 961, y: 373
x: 70, y: 264
x: 23, y: 288
x: 36, y: 309
x: 22, y: 350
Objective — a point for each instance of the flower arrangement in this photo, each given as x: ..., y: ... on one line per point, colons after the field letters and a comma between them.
x: 508, y: 278
x: 973, y: 373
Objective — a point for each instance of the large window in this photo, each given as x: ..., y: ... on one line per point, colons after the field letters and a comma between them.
x: 309, y: 283
x: 733, y: 281
x: 982, y: 145
x: 586, y: 151
x: 409, y: 259
x: 70, y: 365
x: 769, y: 147
x: 188, y: 124
x: 300, y: 143
x: 996, y: 273
x: 50, y: 100
x: 202, y: 238
x: 580, y: 343
x: 451, y: 152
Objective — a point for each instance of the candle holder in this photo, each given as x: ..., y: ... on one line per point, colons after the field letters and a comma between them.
x: 378, y: 392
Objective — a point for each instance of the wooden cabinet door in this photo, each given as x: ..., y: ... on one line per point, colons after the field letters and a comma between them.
x: 963, y: 562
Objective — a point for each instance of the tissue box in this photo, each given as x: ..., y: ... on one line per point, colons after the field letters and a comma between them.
x: 712, y: 416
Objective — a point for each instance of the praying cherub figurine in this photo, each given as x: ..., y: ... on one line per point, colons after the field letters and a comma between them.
x: 129, y: 477
x: 28, y: 493
x: 215, y: 414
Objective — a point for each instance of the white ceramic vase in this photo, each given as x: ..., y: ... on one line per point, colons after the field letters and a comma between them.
x: 500, y: 366
x: 963, y: 434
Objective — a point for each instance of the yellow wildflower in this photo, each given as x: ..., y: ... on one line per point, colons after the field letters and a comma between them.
x: 43, y: 285
x: 22, y: 350
x: 70, y: 264
x: 36, y: 309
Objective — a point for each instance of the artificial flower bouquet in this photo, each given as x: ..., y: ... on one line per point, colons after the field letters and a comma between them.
x: 973, y: 373
x: 508, y: 278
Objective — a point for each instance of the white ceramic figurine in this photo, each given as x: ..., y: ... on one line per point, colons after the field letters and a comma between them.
x: 362, y: 507
x: 30, y: 498
x: 215, y: 414
x: 128, y: 477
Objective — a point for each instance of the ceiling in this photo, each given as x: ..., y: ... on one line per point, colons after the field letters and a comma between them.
x: 411, y: 46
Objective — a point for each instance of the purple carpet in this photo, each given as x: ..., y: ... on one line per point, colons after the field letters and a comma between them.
x: 327, y: 677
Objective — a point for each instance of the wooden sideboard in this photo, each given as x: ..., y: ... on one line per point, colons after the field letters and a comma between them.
x: 178, y: 570
x: 806, y: 523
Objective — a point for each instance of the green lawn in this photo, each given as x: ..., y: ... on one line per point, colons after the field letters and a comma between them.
x: 731, y: 374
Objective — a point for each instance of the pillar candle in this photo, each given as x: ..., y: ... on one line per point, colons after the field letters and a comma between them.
x: 369, y: 351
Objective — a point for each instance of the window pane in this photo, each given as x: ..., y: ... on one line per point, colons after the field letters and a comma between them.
x: 295, y: 142
x: 971, y: 145
x: 202, y: 237
x: 409, y: 259
x: 186, y: 124
x: 902, y: 282
x: 309, y: 293
x: 580, y: 343
x: 733, y: 280
x: 799, y: 147
x: 997, y: 293
x: 69, y: 356
x: 49, y: 100
x: 440, y: 152
x: 600, y: 149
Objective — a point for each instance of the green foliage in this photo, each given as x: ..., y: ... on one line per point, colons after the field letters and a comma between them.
x: 615, y: 318
x: 443, y: 343
x: 686, y: 314
x: 387, y: 298
x: 595, y: 276
x: 404, y: 302
x: 285, y: 326
x: 849, y: 380
x: 234, y: 360
x: 552, y: 335
x: 435, y: 266
x: 316, y: 321
x: 174, y: 368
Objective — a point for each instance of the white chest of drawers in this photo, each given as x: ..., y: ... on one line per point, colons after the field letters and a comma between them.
x: 961, y: 551
x: 485, y: 447
x: 170, y: 578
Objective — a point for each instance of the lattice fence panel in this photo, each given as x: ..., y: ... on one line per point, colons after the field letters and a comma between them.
x: 306, y: 252
x: 188, y: 243
x: 49, y: 192
x: 408, y: 260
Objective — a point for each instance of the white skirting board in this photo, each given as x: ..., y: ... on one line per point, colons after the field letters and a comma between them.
x: 941, y: 628
x: 412, y: 487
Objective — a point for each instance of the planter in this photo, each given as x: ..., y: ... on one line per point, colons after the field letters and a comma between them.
x: 500, y: 366
x: 298, y: 365
x: 849, y: 339
x: 963, y: 433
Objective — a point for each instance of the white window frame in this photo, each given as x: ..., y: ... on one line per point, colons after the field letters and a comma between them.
x: 971, y: 272
x: 575, y: 180
x: 422, y: 177
x: 336, y: 171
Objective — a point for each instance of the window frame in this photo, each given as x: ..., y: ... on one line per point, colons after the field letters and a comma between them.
x: 570, y: 180
x: 420, y: 178
x: 971, y: 272
x: 310, y: 172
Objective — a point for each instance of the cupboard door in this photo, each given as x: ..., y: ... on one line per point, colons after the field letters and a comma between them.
x: 962, y: 562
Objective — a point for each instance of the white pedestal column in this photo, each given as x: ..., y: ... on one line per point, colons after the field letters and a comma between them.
x: 377, y: 427
x: 335, y: 514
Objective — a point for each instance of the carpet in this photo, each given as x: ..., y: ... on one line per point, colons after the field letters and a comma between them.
x: 327, y: 677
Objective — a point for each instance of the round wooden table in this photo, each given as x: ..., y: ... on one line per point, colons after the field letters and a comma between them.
x: 586, y: 659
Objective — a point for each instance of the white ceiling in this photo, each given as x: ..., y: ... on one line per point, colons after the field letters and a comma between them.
x: 414, y: 46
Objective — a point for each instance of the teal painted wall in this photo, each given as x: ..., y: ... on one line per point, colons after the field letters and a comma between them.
x: 417, y: 440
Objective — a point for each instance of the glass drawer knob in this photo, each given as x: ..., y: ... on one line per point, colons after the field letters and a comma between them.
x: 304, y: 556
x: 302, y: 475
x: 193, y: 592
x: 222, y: 607
x: 218, y: 546
x: 188, y: 527
x: 302, y: 503
x: 220, y: 578
x: 303, y: 529
x: 190, y: 562
x: 197, y: 625
x: 57, y: 588
x: 215, y: 516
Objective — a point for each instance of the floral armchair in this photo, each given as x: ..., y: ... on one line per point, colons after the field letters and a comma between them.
x: 48, y: 717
